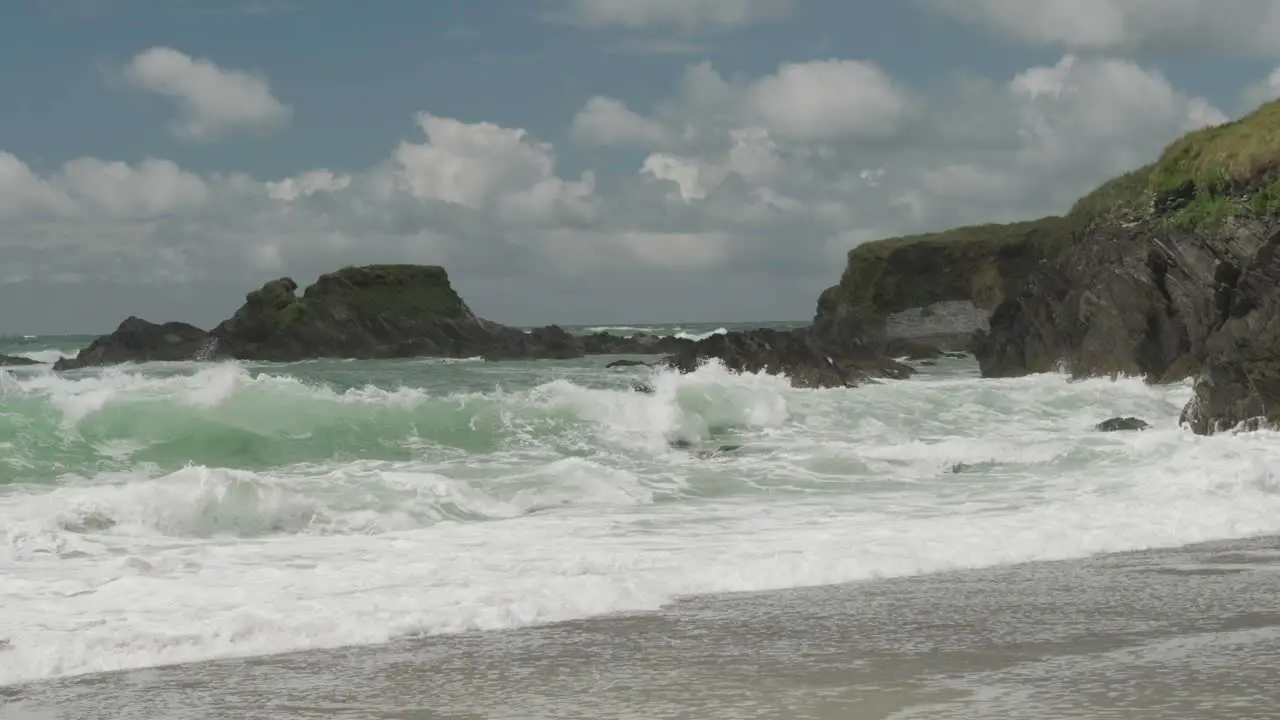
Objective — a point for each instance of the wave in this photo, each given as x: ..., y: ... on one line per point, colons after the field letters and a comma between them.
x: 47, y: 356
x: 228, y: 416
x: 323, y: 515
x: 663, y: 330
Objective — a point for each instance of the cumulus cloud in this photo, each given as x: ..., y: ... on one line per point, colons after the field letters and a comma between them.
x: 827, y: 100
x: 686, y: 14
x: 1240, y: 26
x: 1261, y: 91
x: 753, y: 187
x: 213, y: 101
x: 606, y: 121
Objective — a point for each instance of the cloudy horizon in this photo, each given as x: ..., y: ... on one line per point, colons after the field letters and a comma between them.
x: 570, y: 161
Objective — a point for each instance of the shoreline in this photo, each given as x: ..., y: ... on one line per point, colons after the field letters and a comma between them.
x: 1146, y: 634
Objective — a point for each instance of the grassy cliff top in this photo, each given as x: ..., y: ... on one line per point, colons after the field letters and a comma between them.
x: 1235, y: 158
x: 981, y: 263
x: 1201, y: 179
x: 376, y: 290
x: 368, y: 291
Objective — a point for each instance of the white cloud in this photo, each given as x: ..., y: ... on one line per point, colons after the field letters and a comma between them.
x: 213, y: 101
x: 686, y: 14
x: 485, y: 166
x: 1239, y: 26
x: 606, y: 121
x: 1262, y: 91
x: 827, y: 100
x: 307, y: 184
x: 726, y: 195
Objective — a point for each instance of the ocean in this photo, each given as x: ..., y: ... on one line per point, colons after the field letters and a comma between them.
x: 464, y: 539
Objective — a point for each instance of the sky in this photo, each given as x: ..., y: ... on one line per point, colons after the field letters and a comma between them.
x: 568, y: 161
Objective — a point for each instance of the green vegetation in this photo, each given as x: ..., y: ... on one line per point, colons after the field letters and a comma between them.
x: 1202, y: 179
x: 380, y: 290
x: 1199, y: 183
x: 371, y: 291
x: 979, y: 262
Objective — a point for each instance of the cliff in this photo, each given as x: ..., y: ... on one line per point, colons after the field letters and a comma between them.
x: 1171, y: 272
x: 939, y: 287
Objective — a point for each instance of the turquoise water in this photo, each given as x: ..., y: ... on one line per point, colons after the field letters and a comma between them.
x: 173, y: 512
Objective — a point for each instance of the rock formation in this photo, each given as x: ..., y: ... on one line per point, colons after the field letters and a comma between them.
x: 10, y: 361
x: 375, y: 311
x: 800, y: 353
x: 1171, y: 273
x: 935, y: 289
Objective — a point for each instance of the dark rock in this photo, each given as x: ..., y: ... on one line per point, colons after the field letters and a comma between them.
x: 1120, y: 424
x: 6, y: 360
x: 912, y: 350
x: 604, y: 343
x: 1123, y: 300
x: 137, y: 340
x: 1169, y: 274
x: 1172, y: 273
x: 643, y: 387
x: 1238, y: 385
x: 681, y: 444
x: 980, y: 264
x: 808, y: 358
x: 717, y: 451
x: 374, y: 311
x: 624, y: 363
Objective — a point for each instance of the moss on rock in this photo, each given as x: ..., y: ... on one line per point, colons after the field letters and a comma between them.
x: 981, y: 263
x: 378, y: 290
x: 1201, y: 183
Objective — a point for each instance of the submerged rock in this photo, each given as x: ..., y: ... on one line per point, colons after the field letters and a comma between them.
x: 7, y: 360
x: 804, y: 356
x: 626, y: 363
x: 1120, y: 424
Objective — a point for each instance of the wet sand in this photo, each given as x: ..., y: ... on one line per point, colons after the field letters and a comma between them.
x: 1187, y: 634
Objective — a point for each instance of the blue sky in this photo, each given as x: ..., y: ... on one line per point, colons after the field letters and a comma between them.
x: 574, y: 161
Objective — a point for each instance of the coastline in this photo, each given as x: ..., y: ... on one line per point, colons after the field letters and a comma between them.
x: 1178, y: 633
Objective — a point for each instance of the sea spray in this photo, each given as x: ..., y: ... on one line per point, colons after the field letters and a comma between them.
x: 175, y: 512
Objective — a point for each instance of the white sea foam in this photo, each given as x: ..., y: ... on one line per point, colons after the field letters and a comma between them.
x: 584, y: 509
x: 47, y: 356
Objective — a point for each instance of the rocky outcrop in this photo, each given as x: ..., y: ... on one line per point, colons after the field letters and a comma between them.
x: 137, y: 340
x: 1171, y: 273
x: 935, y: 289
x: 10, y: 361
x: 807, y: 358
x: 375, y: 311
x: 1122, y: 424
x: 1238, y: 384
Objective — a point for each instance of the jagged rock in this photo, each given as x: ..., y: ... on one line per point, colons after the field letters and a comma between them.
x: 7, y: 360
x: 374, y: 311
x: 912, y: 350
x: 976, y: 266
x: 625, y: 363
x: 137, y: 340
x: 603, y: 343
x: 808, y: 359
x: 1122, y: 424
x: 1239, y: 383
x: 1172, y: 274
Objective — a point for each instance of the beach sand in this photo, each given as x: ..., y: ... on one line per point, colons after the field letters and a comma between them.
x: 1187, y: 633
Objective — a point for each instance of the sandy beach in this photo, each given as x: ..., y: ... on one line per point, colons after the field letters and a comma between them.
x: 1189, y: 633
